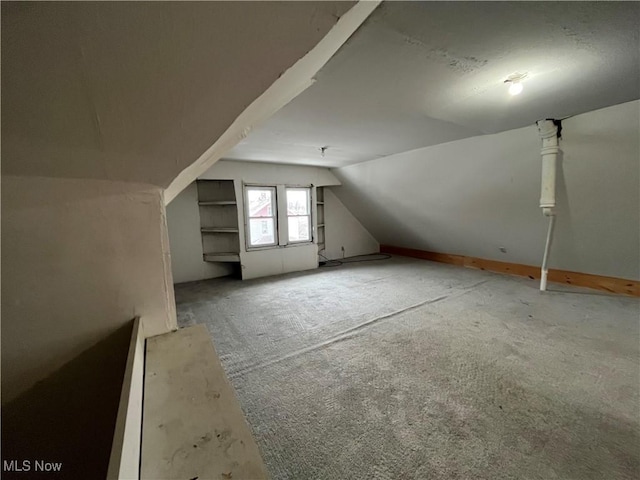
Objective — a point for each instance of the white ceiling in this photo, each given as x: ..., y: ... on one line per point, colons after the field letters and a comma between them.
x: 422, y: 73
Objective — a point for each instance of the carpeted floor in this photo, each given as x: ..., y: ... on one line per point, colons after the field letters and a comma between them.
x: 407, y: 369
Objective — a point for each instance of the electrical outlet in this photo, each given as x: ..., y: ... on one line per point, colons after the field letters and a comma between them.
x: 503, y: 249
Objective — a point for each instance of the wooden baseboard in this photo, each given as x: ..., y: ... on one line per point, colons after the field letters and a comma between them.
x: 608, y: 284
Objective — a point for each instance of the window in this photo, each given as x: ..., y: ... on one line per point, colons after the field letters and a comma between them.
x: 261, y: 213
x: 299, y: 214
x: 277, y: 215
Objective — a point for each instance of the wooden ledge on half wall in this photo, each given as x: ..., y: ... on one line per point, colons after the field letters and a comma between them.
x: 608, y: 284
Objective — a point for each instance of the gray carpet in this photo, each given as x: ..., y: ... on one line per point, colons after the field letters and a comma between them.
x: 407, y: 369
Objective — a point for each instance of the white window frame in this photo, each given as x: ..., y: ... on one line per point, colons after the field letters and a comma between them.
x: 309, y: 209
x: 248, y: 217
x: 280, y: 215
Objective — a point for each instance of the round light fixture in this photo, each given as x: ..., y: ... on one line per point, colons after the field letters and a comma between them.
x: 515, y: 83
x: 515, y: 88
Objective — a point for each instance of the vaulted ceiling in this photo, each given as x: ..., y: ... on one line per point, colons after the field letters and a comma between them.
x: 422, y: 73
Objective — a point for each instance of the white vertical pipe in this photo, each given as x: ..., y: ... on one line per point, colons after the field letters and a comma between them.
x: 548, y: 187
x: 548, y: 131
x: 550, y: 149
x: 545, y: 270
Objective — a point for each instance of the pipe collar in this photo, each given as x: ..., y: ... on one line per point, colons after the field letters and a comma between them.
x: 547, y: 128
x: 549, y: 150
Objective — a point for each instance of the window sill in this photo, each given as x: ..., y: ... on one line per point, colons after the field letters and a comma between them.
x: 274, y: 247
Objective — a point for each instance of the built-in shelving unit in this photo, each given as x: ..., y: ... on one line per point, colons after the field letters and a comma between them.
x: 218, y: 230
x: 320, y: 232
x: 221, y: 257
x: 219, y: 221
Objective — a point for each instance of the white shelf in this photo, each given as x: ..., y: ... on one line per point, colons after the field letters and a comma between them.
x: 321, y: 225
x: 320, y: 203
x: 217, y: 202
x: 219, y: 230
x: 222, y: 257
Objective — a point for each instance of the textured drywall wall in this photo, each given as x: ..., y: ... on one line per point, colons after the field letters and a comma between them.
x: 474, y: 196
x: 69, y: 417
x: 254, y: 172
x: 344, y: 230
x: 598, y: 228
x: 271, y: 261
x: 137, y: 91
x: 80, y: 258
x: 184, y: 224
x: 274, y: 261
x: 185, y: 240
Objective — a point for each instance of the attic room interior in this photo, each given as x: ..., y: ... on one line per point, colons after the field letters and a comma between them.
x: 320, y: 240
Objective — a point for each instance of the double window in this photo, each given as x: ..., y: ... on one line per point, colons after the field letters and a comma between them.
x: 277, y: 215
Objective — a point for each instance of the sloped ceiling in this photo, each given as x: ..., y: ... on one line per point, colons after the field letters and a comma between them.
x: 423, y: 73
x: 137, y: 91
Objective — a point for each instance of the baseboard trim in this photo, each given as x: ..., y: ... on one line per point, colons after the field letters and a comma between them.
x: 608, y: 284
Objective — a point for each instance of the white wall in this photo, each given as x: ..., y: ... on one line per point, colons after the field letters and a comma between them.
x: 184, y: 224
x: 344, y: 230
x: 185, y: 240
x: 271, y: 173
x: 282, y: 259
x: 80, y: 258
x: 274, y: 261
x: 598, y: 228
x: 473, y: 196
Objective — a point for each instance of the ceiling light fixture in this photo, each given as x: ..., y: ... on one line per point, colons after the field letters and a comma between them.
x: 515, y: 88
x: 515, y: 81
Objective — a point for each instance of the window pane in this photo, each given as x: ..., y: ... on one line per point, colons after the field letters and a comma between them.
x: 260, y: 202
x: 297, y: 201
x: 262, y: 231
x: 299, y: 229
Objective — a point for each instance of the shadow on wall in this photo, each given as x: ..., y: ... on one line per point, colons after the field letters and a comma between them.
x: 563, y: 227
x: 69, y: 417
